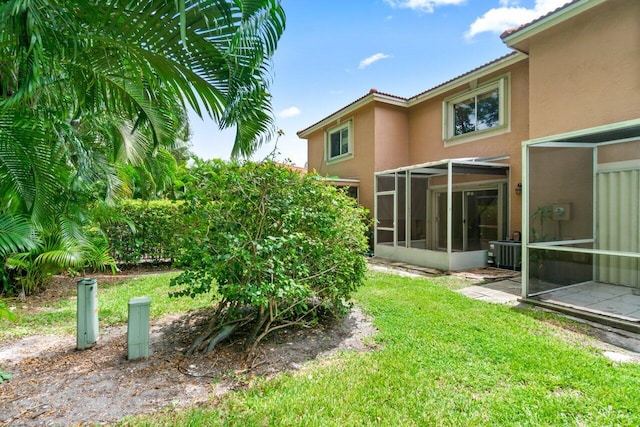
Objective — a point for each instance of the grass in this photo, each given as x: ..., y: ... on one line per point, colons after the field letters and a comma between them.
x: 443, y: 359
x: 60, y: 316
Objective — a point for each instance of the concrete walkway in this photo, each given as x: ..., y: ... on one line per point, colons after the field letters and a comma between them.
x: 503, y: 292
x: 505, y: 289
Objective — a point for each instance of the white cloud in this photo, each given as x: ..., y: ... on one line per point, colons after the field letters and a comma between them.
x: 373, y: 58
x: 289, y: 112
x: 422, y: 5
x: 498, y: 19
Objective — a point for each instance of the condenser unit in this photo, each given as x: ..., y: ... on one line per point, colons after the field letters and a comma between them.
x: 505, y: 254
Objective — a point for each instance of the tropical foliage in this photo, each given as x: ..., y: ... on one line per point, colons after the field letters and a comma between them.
x: 93, y: 99
x: 280, y: 249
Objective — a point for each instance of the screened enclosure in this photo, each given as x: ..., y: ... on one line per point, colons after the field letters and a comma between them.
x: 441, y: 214
x: 581, y: 219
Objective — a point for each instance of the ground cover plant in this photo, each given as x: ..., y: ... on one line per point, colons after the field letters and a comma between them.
x: 442, y: 359
x: 282, y: 249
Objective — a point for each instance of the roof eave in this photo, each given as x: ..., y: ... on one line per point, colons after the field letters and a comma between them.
x: 553, y: 19
x: 438, y: 90
x: 371, y: 97
x: 469, y: 77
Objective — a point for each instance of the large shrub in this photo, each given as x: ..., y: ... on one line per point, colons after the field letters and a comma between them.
x: 279, y: 248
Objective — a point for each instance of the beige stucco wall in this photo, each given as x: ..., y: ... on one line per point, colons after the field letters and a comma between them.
x: 563, y: 175
x: 392, y: 134
x: 426, y: 143
x: 380, y: 142
x: 628, y: 151
x: 585, y: 72
x: 361, y: 165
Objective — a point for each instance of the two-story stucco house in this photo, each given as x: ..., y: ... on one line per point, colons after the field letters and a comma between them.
x: 453, y: 148
x: 543, y: 144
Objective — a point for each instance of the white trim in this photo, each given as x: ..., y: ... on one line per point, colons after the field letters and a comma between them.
x: 595, y: 203
x: 583, y: 132
x: 524, y: 264
x: 624, y: 165
x: 450, y: 208
x: 340, y: 180
x: 464, y: 161
x: 550, y: 21
x: 348, y: 124
x: 349, y: 109
x: 554, y: 144
x: 476, y: 135
x: 471, y: 186
x: 563, y: 242
x: 503, y: 85
x: 584, y: 250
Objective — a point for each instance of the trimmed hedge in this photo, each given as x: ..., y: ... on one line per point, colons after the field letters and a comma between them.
x: 143, y: 231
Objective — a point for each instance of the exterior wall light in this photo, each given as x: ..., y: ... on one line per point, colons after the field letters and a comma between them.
x: 519, y: 188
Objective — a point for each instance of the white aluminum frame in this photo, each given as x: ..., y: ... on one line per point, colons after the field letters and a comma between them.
x: 568, y: 140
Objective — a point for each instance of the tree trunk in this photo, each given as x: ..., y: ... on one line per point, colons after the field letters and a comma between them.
x: 263, y: 314
x: 224, y: 333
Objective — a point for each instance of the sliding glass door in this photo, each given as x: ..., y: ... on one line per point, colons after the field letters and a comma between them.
x: 476, y: 218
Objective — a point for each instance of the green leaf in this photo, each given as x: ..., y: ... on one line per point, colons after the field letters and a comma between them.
x: 4, y: 376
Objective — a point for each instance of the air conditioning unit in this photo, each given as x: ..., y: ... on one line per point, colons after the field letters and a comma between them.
x: 505, y: 254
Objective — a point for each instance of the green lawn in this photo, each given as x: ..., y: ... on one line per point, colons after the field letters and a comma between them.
x: 443, y: 359
x: 60, y: 316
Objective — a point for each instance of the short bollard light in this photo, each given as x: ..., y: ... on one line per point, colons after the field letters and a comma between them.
x: 87, y: 315
x: 138, y: 328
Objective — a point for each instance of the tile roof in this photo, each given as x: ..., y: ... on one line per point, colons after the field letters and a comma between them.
x: 374, y: 91
x: 293, y: 167
x: 508, y: 55
x: 512, y: 31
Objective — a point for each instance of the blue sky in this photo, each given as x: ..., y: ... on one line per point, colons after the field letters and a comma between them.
x: 335, y: 51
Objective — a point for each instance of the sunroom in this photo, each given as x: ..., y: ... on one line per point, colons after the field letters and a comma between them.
x: 581, y: 222
x: 441, y: 214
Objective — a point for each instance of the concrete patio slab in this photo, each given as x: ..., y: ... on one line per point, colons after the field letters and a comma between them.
x: 484, y: 293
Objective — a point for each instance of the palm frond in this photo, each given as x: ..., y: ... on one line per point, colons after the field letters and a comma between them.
x: 17, y: 162
x: 16, y: 235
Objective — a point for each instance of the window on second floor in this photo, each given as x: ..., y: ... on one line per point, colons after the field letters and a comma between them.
x: 339, y: 143
x: 482, y: 109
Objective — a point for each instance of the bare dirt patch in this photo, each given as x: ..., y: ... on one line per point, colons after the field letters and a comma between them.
x: 54, y: 384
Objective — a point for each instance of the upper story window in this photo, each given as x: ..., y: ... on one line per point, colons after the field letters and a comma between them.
x: 477, y: 111
x: 339, y: 142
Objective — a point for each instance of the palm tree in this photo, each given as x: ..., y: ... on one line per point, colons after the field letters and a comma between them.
x: 90, y: 86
